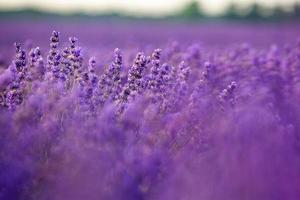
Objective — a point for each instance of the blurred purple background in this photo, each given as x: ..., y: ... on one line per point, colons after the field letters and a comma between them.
x: 101, y: 37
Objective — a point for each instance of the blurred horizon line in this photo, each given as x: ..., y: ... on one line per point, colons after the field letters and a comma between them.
x: 191, y: 11
x: 166, y: 9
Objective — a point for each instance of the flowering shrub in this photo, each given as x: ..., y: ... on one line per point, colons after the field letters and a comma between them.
x: 191, y: 123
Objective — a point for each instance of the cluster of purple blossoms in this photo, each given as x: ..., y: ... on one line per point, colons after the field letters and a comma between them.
x: 54, y: 56
x: 182, y: 123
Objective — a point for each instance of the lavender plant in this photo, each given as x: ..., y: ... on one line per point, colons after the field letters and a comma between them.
x: 183, y: 123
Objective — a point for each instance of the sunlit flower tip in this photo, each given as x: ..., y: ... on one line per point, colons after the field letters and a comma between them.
x: 55, y: 37
x: 55, y: 33
x: 32, y: 53
x: 32, y: 56
x: 73, y: 40
x: 37, y: 51
x: 156, y: 62
x: 156, y: 54
x: 17, y: 46
x: 166, y: 67
x: 117, y: 51
x: 77, y: 52
x: 207, y: 65
x: 207, y: 68
x: 228, y: 92
x: 148, y: 59
x: 92, y: 61
x: 66, y: 52
x: 118, y: 56
x: 85, y: 76
x: 182, y: 65
x: 138, y: 56
x: 233, y: 85
x: 21, y: 55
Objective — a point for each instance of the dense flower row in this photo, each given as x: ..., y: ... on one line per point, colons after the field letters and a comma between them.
x: 194, y: 123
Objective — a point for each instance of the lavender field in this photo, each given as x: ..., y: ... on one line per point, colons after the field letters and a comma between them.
x: 145, y: 111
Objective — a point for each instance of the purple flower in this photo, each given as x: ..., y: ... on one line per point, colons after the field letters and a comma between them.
x: 135, y: 83
x: 54, y: 56
x: 157, y: 128
x: 228, y: 93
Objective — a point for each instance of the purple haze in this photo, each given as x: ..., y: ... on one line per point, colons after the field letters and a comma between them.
x: 178, y: 112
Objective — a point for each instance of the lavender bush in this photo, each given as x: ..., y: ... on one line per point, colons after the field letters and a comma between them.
x: 180, y: 122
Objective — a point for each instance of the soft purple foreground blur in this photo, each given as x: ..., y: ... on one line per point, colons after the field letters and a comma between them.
x: 214, y: 115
